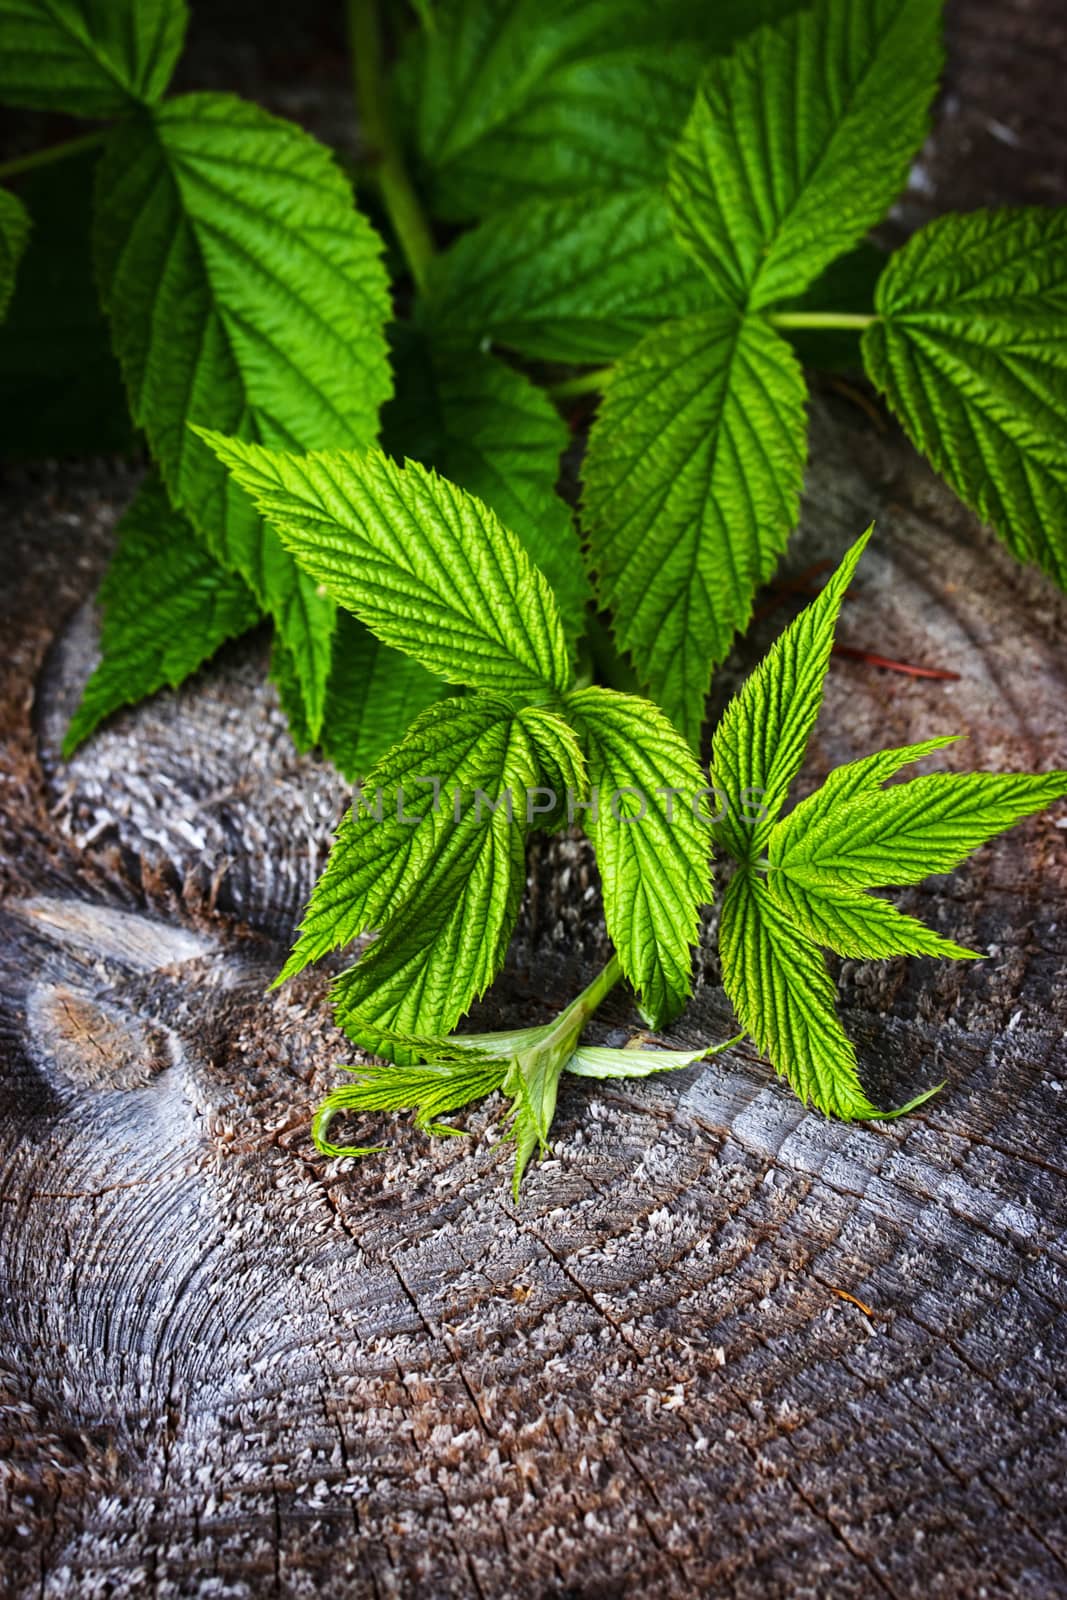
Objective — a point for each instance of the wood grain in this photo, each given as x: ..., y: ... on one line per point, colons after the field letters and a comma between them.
x: 229, y: 1367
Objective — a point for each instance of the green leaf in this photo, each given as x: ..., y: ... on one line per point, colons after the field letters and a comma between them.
x: 903, y: 834
x: 534, y: 1083
x: 398, y: 821
x: 429, y: 568
x: 526, y: 1063
x: 849, y: 836
x: 800, y: 141
x: 61, y: 390
x: 759, y: 744
x: 444, y: 941
x: 552, y: 97
x: 14, y: 232
x: 561, y: 765
x: 845, y: 783
x: 652, y: 847
x: 372, y: 691
x: 167, y: 607
x: 855, y: 923
x: 596, y: 1061
x: 89, y: 58
x: 571, y: 280
x: 783, y: 995
x: 971, y: 354
x: 489, y: 429
x: 692, y: 488
x: 246, y: 293
x: 431, y: 1089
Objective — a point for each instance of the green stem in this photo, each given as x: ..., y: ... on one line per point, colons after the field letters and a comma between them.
x: 585, y: 383
x: 596, y: 992
x: 821, y: 319
x: 567, y: 1028
x: 55, y: 152
x: 401, y: 202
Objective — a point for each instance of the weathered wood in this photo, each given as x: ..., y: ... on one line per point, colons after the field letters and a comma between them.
x: 230, y: 1367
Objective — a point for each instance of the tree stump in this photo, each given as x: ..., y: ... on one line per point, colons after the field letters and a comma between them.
x: 721, y: 1345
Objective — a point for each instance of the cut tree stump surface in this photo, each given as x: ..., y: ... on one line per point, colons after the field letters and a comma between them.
x: 721, y: 1346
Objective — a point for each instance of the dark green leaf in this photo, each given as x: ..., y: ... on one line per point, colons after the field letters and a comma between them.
x: 91, y: 58
x: 167, y: 607
x: 570, y: 280
x: 692, y: 488
x: 971, y: 353
x: 246, y: 293
x: 551, y: 97
x: 14, y: 231
x: 800, y: 141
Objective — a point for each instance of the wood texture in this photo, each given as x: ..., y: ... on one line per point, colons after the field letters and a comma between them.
x: 230, y: 1368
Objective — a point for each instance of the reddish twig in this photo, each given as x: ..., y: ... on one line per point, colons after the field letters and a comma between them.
x: 851, y: 653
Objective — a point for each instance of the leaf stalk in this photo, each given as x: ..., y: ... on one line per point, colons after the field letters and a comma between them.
x: 582, y: 1007
x: 822, y: 319
x: 398, y: 194
x: 53, y: 152
x: 585, y: 383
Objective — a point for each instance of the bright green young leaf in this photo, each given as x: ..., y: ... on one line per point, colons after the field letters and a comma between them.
x: 534, y: 1082
x: 902, y: 834
x: 443, y: 943
x: 89, y: 58
x: 801, y: 882
x: 800, y: 141
x: 783, y: 995
x: 845, y: 783
x: 571, y: 280
x: 561, y: 763
x: 759, y: 744
x: 489, y: 429
x: 61, y: 390
x: 971, y: 353
x: 14, y: 232
x: 430, y: 569
x: 854, y: 923
x: 525, y: 1063
x: 247, y: 294
x: 430, y: 1089
x: 552, y: 97
x: 167, y: 607
x: 400, y: 817
x: 596, y: 1061
x: 647, y: 819
x: 692, y: 488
